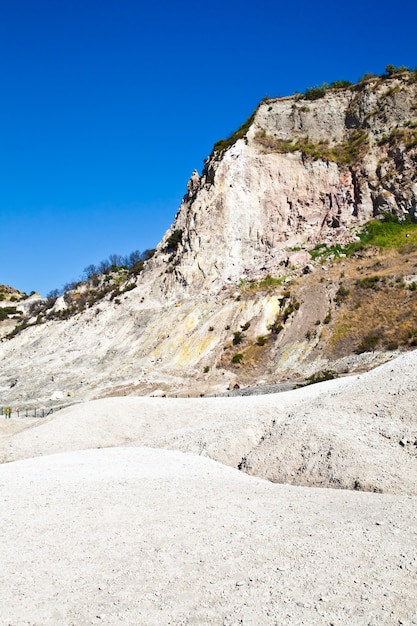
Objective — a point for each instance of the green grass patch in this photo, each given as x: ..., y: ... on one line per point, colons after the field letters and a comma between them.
x: 389, y: 233
x: 267, y: 282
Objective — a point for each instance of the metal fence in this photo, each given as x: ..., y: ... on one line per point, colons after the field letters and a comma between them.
x: 9, y: 411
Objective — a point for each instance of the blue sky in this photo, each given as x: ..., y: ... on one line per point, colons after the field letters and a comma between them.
x: 107, y: 107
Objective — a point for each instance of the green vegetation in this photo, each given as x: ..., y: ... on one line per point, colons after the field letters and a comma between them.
x: 290, y: 309
x: 269, y: 283
x: 389, y: 232
x: 237, y: 358
x: 328, y: 318
x: 369, y: 282
x: 5, y: 311
x: 223, y: 144
x: 317, y: 92
x: 368, y: 343
x: 391, y: 70
x: 314, y: 93
x: 407, y: 136
x: 174, y: 241
x: 323, y: 251
x: 412, y: 337
x: 346, y: 152
x: 341, y: 294
x: 276, y: 327
x: 278, y: 324
x: 238, y: 337
x: 319, y: 377
x: 113, y: 276
x: 340, y: 84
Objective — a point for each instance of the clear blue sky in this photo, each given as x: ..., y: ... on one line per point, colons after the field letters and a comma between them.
x: 107, y: 107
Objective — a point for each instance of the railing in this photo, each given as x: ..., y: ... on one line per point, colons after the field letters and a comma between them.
x: 8, y: 412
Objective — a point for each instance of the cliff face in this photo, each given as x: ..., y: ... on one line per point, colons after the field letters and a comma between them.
x: 306, y: 172
x: 299, y: 173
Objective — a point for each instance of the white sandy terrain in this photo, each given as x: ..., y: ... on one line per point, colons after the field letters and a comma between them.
x: 148, y: 531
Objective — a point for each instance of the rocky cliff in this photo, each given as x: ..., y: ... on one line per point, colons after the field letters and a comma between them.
x: 305, y: 171
x: 300, y: 173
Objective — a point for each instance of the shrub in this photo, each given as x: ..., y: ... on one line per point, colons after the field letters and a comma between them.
x: 320, y: 377
x: 173, y: 241
x: 8, y: 310
x: 412, y: 338
x: 340, y: 84
x: 268, y: 282
x: 368, y: 343
x: 237, y: 358
x: 314, y: 93
x: 260, y: 340
x: 223, y: 144
x: 206, y: 369
x: 245, y: 326
x: 367, y: 76
x: 289, y: 310
x: 391, y: 69
x: 276, y: 327
x: 369, y: 282
x: 341, y: 294
x: 238, y: 337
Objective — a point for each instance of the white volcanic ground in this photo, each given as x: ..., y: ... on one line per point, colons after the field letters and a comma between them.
x: 151, y: 531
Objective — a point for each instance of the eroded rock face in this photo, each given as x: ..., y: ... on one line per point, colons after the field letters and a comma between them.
x: 304, y: 173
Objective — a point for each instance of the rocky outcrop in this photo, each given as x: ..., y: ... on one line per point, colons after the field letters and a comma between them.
x: 306, y: 171
x: 298, y: 173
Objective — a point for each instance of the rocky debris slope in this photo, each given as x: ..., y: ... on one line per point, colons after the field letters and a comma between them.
x: 137, y: 534
x: 355, y: 433
x: 301, y: 173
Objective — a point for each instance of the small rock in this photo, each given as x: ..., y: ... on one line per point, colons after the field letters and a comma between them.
x: 403, y: 442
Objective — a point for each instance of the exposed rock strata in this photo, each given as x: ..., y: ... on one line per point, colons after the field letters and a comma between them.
x: 261, y: 197
x: 306, y: 172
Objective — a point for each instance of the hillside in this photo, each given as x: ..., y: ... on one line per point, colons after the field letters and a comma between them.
x: 292, y: 260
x: 131, y: 510
x: 255, y: 280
